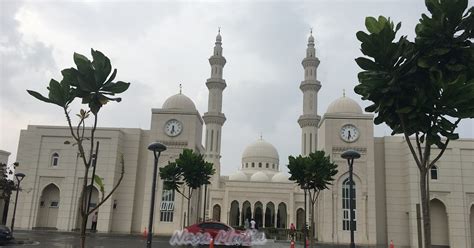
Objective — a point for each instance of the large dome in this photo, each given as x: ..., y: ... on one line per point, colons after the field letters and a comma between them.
x: 179, y: 101
x: 260, y: 149
x: 344, y: 105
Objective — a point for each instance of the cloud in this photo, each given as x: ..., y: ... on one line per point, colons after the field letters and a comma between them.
x: 158, y: 45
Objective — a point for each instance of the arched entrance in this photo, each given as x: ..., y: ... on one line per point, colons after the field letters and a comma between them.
x: 299, y: 219
x: 258, y: 214
x: 216, y: 213
x: 94, y: 201
x: 48, y: 207
x: 246, y: 212
x: 270, y: 215
x: 439, y: 224
x: 281, y: 216
x: 472, y: 225
x: 234, y: 213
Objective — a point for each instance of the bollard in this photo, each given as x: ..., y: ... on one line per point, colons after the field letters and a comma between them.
x: 391, y: 244
x: 211, y: 243
x: 292, y: 244
x: 145, y: 233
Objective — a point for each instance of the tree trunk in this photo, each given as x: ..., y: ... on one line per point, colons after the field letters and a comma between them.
x: 189, y: 204
x: 425, y: 208
x: 83, y: 209
x: 312, y: 224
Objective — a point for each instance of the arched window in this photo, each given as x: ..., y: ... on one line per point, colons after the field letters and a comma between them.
x: 55, y: 159
x: 434, y: 172
x: 267, y: 165
x: 346, y: 207
x: 167, y: 205
x: 253, y: 164
x: 259, y: 165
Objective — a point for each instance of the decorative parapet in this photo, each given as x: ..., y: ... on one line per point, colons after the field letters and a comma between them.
x: 309, y: 120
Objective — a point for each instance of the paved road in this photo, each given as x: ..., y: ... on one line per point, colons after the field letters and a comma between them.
x: 51, y: 239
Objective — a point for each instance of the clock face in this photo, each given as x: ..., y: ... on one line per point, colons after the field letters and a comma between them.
x: 349, y: 133
x: 173, y: 127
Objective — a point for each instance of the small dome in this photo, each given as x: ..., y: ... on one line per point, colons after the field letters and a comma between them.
x: 179, y: 101
x: 344, y: 105
x: 311, y: 38
x: 260, y: 149
x: 259, y: 177
x: 280, y: 178
x: 238, y: 176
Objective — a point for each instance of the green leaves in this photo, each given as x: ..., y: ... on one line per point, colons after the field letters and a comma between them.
x: 190, y: 169
x: 415, y: 86
x: 314, y: 172
x: 91, y: 81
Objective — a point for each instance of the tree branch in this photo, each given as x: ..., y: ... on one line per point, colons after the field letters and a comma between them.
x: 418, y: 145
x: 113, y: 190
x: 407, y: 138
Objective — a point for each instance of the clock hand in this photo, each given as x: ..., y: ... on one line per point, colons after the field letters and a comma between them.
x: 348, y: 134
x: 172, y: 129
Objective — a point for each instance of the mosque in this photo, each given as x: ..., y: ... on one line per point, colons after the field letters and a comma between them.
x: 385, y: 177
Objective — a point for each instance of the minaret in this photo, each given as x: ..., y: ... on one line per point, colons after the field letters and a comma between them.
x: 309, y: 120
x: 214, y: 118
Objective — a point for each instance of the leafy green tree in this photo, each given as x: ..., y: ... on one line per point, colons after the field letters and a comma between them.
x: 422, y: 88
x: 92, y: 83
x: 313, y: 174
x: 6, y: 188
x: 188, y: 171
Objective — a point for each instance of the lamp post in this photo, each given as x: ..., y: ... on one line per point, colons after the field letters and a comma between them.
x: 19, y: 176
x: 350, y: 155
x: 156, y: 148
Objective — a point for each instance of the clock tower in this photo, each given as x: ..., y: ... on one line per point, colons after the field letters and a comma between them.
x: 344, y: 126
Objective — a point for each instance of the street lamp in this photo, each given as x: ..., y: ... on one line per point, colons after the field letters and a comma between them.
x: 19, y: 176
x: 350, y: 155
x: 156, y: 148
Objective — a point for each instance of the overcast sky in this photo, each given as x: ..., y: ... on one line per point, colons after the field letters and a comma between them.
x: 158, y: 45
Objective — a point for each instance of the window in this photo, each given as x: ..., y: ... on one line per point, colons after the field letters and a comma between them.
x: 54, y: 204
x: 55, y: 159
x: 267, y: 165
x: 259, y: 165
x: 273, y: 166
x: 346, y: 205
x: 246, y: 165
x: 434, y: 172
x: 253, y: 164
x: 167, y: 206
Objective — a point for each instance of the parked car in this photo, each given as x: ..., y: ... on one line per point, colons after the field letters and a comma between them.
x: 5, y: 234
x: 210, y: 227
x: 213, y: 228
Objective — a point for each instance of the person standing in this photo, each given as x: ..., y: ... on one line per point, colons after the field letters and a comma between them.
x: 94, y: 222
x: 252, y: 224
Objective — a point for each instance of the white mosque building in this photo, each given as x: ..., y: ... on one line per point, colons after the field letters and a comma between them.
x: 386, y: 178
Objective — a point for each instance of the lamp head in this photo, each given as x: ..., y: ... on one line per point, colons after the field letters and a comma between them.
x: 350, y: 154
x: 156, y: 147
x: 19, y: 176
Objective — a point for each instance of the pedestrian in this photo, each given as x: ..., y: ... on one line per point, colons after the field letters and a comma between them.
x: 252, y: 224
x: 246, y: 224
x: 94, y: 222
x: 292, y: 231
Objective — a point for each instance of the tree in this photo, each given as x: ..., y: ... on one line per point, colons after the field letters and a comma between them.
x: 313, y: 174
x: 6, y: 187
x: 190, y: 170
x: 422, y: 88
x: 92, y: 83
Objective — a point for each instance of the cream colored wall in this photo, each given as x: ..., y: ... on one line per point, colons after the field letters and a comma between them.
x: 330, y: 206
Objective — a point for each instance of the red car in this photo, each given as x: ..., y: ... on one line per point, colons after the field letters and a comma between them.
x: 211, y: 227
